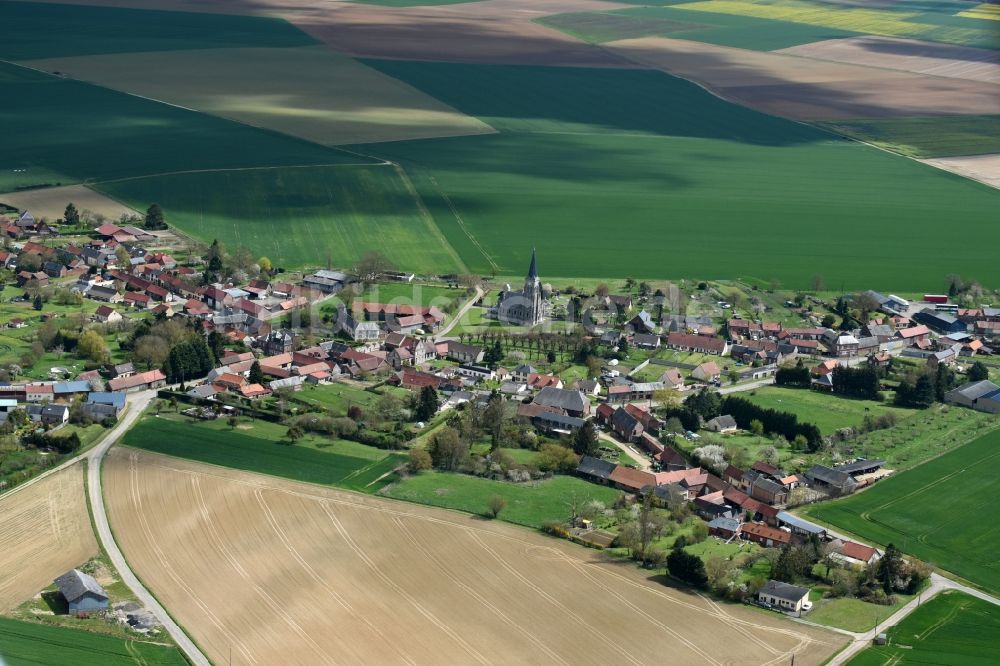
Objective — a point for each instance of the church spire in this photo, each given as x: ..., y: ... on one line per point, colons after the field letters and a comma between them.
x: 532, y: 270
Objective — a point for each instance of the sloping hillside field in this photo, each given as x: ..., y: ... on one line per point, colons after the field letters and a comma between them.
x: 44, y: 531
x: 304, y: 574
x: 938, y: 511
x: 628, y: 172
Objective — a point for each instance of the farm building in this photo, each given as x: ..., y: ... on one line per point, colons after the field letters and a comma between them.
x: 765, y: 535
x: 983, y: 396
x: 832, y: 480
x: 785, y: 596
x: 725, y: 423
x: 82, y: 592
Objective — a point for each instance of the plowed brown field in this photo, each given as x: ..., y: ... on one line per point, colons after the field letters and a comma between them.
x: 44, y: 531
x: 285, y: 573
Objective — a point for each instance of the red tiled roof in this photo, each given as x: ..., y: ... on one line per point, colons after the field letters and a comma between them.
x: 858, y: 551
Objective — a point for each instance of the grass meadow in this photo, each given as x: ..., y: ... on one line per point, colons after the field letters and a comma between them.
x: 939, y: 512
x: 258, y: 448
x: 298, y: 216
x: 529, y: 504
x: 828, y: 412
x: 28, y: 644
x: 630, y: 172
x: 952, y: 629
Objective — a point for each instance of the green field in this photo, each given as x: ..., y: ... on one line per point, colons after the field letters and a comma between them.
x: 940, y: 512
x: 298, y: 216
x: 943, y: 136
x: 257, y: 449
x: 529, y: 504
x: 952, y: 629
x: 828, y: 412
x: 105, y: 135
x: 630, y: 172
x: 412, y: 3
x: 745, y: 32
x: 30, y: 644
x: 932, y: 21
x: 53, y: 30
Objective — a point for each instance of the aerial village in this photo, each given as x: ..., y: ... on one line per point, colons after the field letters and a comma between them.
x: 642, y: 391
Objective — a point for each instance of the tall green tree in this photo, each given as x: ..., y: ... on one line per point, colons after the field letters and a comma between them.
x: 585, y: 441
x: 71, y: 216
x: 427, y: 404
x: 154, y: 218
x: 256, y: 375
x: 978, y: 372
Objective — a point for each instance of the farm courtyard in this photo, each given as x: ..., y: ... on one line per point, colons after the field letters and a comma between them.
x: 369, y: 580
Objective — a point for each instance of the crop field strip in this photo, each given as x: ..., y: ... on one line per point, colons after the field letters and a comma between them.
x: 28, y: 644
x: 681, y: 162
x: 45, y: 531
x: 412, y: 583
x: 916, y: 510
x: 952, y: 629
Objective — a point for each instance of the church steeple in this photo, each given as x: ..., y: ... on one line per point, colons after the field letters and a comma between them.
x: 532, y: 269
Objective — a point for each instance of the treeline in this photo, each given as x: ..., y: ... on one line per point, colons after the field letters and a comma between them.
x: 857, y: 382
x: 191, y: 359
x: 785, y: 424
x: 797, y: 377
x: 923, y: 389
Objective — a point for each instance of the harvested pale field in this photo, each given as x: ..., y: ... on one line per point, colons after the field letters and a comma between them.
x: 50, y: 202
x: 44, y: 531
x: 310, y: 92
x: 908, y: 55
x: 808, y: 89
x: 984, y: 168
x: 283, y: 572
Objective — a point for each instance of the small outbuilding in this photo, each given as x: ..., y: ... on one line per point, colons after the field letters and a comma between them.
x: 82, y: 592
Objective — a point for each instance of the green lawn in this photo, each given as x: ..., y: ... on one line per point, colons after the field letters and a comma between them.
x: 939, y: 512
x: 28, y: 644
x: 952, y: 629
x: 407, y: 293
x: 829, y: 412
x: 339, y: 397
x: 852, y: 614
x: 529, y: 504
x: 411, y: 3
x: 743, y: 32
x: 941, y: 136
x: 257, y: 449
x: 299, y: 216
x: 676, y: 172
x: 53, y: 30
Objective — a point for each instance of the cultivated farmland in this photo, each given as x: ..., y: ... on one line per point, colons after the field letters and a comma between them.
x: 114, y: 135
x: 26, y: 644
x: 299, y: 216
x: 303, y: 574
x: 917, y: 509
x: 311, y: 92
x: 927, y: 137
x: 658, y: 159
x: 50, y: 202
x: 952, y: 629
x: 45, y: 530
x: 345, y: 464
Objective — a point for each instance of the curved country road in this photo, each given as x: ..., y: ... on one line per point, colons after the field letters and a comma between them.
x: 137, y: 404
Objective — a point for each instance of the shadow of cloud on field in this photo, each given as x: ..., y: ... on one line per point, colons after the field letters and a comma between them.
x: 519, y: 98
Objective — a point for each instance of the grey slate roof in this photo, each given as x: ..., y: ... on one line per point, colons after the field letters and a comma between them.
x: 974, y: 390
x: 595, y: 467
x: 799, y: 523
x: 786, y: 591
x: 724, y: 421
x: 729, y: 524
x: 857, y: 466
x: 74, y: 584
x: 562, y: 398
x: 828, y: 475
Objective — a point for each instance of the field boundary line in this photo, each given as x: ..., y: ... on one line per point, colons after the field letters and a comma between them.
x: 461, y: 225
x: 432, y: 226
x: 183, y: 172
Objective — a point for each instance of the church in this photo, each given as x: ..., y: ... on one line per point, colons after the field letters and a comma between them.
x: 523, y: 308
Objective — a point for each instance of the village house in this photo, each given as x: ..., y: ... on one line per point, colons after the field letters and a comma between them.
x: 573, y: 403
x: 697, y: 343
x: 722, y: 424
x: 626, y: 426
x: 765, y: 535
x: 106, y: 314
x: 707, y: 372
x: 787, y: 597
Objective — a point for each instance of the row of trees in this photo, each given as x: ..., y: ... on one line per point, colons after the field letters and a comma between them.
x: 785, y: 424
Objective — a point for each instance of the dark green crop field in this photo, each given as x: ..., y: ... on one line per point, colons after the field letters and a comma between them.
x: 52, y: 30
x: 56, y: 130
x: 952, y: 629
x: 941, y: 512
x: 300, y: 216
x: 30, y: 644
x: 617, y: 173
x: 259, y: 450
